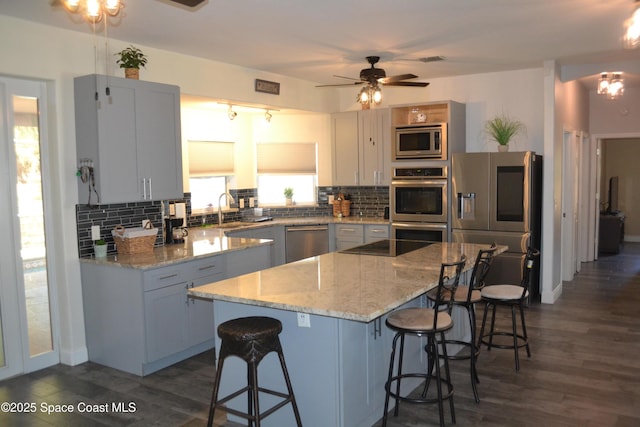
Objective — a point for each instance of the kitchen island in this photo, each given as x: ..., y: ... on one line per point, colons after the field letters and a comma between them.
x: 332, y: 308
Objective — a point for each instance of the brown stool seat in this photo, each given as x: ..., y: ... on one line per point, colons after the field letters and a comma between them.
x: 251, y: 339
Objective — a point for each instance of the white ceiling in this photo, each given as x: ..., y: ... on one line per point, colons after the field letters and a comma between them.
x: 314, y: 40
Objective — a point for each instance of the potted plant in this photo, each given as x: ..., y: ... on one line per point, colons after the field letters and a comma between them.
x: 131, y: 59
x: 100, y: 248
x: 502, y: 129
x: 288, y: 195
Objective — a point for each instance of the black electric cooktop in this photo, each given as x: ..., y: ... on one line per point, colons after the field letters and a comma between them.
x: 389, y: 247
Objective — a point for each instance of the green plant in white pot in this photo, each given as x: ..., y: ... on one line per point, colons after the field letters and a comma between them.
x: 288, y: 195
x: 503, y: 129
x: 131, y: 59
x: 100, y: 248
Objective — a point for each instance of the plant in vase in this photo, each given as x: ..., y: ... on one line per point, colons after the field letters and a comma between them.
x: 131, y: 59
x: 503, y: 129
x: 288, y: 195
x: 100, y: 248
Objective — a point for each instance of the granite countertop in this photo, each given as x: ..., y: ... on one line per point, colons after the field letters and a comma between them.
x: 212, y: 240
x: 342, y: 285
x: 201, y: 243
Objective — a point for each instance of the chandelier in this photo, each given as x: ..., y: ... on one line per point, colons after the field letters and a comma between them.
x: 93, y: 10
x: 631, y: 37
x: 611, y: 85
x: 370, y: 94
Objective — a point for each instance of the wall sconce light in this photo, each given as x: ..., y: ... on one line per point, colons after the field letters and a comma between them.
x: 611, y: 85
x: 231, y: 114
x: 631, y: 38
x: 268, y: 116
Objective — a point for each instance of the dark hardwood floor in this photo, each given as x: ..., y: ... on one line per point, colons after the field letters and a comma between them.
x: 584, y: 371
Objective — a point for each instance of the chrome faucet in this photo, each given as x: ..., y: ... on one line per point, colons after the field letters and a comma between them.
x: 231, y: 200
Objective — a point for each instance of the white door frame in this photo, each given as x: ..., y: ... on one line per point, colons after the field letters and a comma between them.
x: 12, y: 298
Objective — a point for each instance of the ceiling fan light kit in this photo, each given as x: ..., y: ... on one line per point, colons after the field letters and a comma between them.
x: 374, y: 78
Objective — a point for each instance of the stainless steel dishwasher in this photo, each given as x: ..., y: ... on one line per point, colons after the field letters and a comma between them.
x: 304, y: 241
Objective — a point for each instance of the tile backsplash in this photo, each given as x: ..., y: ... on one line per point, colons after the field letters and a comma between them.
x: 365, y: 201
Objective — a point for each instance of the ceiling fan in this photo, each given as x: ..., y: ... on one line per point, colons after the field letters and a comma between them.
x: 377, y: 76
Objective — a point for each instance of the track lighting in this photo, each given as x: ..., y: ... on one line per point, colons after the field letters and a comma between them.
x: 267, y: 116
x: 231, y: 114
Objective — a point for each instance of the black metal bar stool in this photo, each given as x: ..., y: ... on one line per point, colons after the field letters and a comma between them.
x: 515, y: 297
x: 466, y: 297
x: 430, y: 322
x: 251, y: 339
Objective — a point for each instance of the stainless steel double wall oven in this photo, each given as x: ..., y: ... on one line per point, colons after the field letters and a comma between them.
x: 419, y: 203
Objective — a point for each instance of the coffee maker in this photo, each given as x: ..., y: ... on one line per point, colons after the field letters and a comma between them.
x: 174, y: 225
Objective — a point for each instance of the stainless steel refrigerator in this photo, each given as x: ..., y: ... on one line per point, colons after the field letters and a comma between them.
x: 497, y: 197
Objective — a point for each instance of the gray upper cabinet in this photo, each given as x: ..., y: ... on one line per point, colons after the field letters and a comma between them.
x: 361, y: 147
x: 132, y: 137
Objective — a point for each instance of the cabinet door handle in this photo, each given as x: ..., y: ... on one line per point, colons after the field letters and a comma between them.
x: 150, y: 190
x: 144, y: 188
x: 168, y: 277
x: 207, y: 267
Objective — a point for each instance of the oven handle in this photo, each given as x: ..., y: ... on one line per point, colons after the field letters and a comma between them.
x: 420, y: 225
x: 414, y: 182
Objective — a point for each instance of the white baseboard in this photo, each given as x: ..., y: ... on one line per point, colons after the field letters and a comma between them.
x: 551, y: 297
x: 634, y: 239
x: 75, y: 357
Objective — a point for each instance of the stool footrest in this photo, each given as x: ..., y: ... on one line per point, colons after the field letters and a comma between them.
x: 522, y: 341
x: 447, y: 395
x: 287, y: 399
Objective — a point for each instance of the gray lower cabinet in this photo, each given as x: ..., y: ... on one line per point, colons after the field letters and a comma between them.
x: 350, y: 235
x: 140, y: 321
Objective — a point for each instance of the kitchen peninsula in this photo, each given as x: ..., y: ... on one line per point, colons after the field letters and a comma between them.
x: 336, y: 344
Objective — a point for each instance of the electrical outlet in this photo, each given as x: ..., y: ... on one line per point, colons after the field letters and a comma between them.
x: 95, y: 232
x: 251, y: 202
x: 241, y: 203
x: 304, y: 320
x: 330, y: 199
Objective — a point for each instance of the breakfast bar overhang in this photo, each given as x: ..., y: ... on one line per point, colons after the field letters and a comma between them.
x: 338, y: 363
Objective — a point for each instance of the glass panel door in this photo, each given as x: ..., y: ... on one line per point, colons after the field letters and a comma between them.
x: 26, y: 328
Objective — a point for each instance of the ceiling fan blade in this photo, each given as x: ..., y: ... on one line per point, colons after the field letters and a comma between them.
x: 414, y: 84
x: 189, y: 3
x: 392, y: 79
x: 348, y: 78
x: 342, y: 84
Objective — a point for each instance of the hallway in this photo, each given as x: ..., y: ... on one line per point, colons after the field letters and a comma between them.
x: 584, y: 371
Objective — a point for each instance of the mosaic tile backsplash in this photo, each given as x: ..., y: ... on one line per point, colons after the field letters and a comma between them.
x: 365, y: 201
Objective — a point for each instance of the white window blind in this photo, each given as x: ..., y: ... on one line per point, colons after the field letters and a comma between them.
x: 286, y: 158
x: 211, y: 158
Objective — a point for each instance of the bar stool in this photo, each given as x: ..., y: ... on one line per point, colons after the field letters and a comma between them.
x: 514, y: 296
x: 251, y: 339
x: 466, y: 297
x: 429, y: 322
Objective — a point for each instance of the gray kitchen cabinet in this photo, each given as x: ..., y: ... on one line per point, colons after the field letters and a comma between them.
x: 348, y: 236
x: 131, y: 136
x: 375, y: 232
x: 140, y: 321
x: 374, y: 165
x: 272, y: 232
x: 361, y: 147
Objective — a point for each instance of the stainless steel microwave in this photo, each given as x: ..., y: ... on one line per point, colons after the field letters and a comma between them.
x: 427, y: 141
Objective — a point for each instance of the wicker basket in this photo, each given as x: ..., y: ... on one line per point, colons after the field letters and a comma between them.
x: 130, y: 241
x: 341, y: 207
